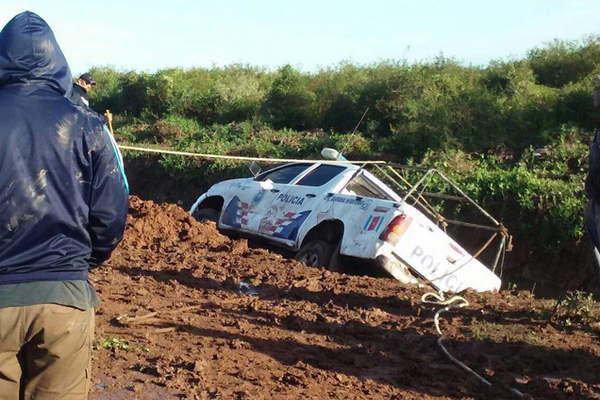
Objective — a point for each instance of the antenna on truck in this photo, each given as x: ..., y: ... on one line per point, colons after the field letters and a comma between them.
x: 360, y: 121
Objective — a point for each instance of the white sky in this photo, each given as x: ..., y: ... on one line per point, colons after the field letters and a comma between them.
x: 149, y: 35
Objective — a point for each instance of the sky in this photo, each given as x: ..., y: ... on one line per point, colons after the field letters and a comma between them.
x: 309, y: 34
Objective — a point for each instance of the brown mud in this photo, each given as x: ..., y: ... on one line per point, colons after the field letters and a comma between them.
x: 189, y: 313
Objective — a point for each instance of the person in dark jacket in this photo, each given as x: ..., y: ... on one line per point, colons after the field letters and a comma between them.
x: 81, y: 89
x: 592, y: 183
x: 63, y: 205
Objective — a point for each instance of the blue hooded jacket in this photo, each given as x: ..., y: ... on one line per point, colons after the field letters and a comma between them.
x: 63, y: 191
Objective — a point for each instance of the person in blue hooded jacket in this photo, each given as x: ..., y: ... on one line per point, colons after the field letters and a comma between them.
x: 63, y: 206
x: 592, y: 184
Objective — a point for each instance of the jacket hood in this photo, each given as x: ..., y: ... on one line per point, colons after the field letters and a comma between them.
x: 29, y: 53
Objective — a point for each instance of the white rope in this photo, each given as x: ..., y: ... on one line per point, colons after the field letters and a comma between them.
x: 451, y: 303
x: 239, y: 158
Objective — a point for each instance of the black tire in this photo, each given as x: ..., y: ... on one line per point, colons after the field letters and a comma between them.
x: 206, y: 214
x: 316, y: 253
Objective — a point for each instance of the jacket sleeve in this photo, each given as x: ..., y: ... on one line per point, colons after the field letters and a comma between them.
x: 592, y: 181
x: 109, y: 197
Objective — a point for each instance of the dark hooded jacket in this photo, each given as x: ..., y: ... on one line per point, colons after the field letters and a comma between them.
x: 63, y: 192
x: 592, y: 181
x: 592, y: 187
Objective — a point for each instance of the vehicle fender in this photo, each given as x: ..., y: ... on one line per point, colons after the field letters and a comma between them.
x: 319, y: 232
x: 198, y: 201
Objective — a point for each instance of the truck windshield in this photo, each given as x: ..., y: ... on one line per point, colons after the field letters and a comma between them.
x: 321, y: 175
x: 283, y: 174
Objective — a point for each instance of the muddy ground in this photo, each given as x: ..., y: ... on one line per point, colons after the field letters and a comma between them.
x: 189, y: 313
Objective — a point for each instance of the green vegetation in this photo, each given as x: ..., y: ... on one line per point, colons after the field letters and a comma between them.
x: 484, y: 126
x: 577, y: 308
x: 504, y: 333
x: 115, y: 343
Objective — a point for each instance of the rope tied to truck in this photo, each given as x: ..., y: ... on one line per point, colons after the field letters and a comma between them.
x: 509, y: 239
x: 159, y: 150
x: 455, y: 302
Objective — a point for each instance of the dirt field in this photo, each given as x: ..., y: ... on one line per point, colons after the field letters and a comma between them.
x: 178, y: 321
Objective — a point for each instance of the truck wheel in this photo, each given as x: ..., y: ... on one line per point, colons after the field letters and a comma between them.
x: 316, y: 253
x: 206, y: 214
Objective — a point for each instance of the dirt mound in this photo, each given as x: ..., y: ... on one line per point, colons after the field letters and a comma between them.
x: 189, y: 313
x: 154, y: 227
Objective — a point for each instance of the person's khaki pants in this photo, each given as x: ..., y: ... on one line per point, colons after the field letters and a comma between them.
x: 45, y: 352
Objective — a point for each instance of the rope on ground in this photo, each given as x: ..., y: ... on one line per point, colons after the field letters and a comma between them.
x: 449, y: 304
x: 238, y: 158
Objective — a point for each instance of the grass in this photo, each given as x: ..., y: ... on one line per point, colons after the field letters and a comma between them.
x: 115, y: 344
x: 577, y: 309
x: 504, y: 333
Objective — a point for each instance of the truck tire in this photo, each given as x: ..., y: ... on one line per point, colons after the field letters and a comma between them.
x: 206, y: 214
x: 316, y: 253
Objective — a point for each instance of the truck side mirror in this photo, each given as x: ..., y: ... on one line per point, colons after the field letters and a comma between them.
x: 254, y: 168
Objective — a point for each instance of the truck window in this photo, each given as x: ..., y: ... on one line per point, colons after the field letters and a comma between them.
x: 361, y: 186
x: 321, y: 175
x: 284, y: 174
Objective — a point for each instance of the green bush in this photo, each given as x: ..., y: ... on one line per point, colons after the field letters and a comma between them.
x: 108, y: 91
x: 562, y: 62
x: 289, y: 102
x: 410, y: 108
x: 539, y: 197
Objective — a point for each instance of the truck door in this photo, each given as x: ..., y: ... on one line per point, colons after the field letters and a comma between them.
x: 300, y: 205
x: 252, y: 200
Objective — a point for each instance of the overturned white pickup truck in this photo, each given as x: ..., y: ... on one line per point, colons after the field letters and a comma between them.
x: 324, y: 210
